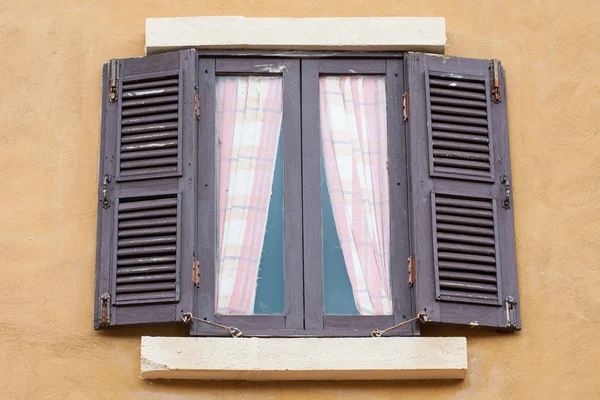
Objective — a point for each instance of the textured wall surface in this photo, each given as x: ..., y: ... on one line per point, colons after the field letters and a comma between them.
x: 49, y: 139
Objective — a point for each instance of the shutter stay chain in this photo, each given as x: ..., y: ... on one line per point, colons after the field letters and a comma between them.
x: 422, y: 316
x: 233, y: 331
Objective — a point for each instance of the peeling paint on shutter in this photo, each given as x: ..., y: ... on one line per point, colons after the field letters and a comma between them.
x: 463, y: 237
x: 150, y: 192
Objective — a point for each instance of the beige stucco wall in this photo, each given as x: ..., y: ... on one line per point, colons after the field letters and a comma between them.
x: 51, y: 55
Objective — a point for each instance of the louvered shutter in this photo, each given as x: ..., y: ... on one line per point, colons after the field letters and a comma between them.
x: 461, y: 210
x: 146, y: 218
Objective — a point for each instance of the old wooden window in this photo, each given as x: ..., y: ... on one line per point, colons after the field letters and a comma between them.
x: 305, y: 194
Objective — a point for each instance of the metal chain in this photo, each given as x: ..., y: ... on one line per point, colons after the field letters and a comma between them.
x: 233, y: 331
x: 422, y: 316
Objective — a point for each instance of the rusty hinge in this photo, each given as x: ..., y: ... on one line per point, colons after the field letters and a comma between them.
x: 196, y: 272
x: 405, y: 105
x: 511, y: 309
x: 412, y: 272
x: 113, y: 80
x: 495, y: 80
x: 196, y: 103
x: 105, y: 309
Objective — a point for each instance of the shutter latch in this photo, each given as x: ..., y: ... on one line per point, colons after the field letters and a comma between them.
x: 495, y: 80
x: 405, y: 105
x: 105, y: 309
x: 113, y: 80
x: 196, y: 272
x: 105, y: 195
x: 412, y: 273
x: 511, y: 308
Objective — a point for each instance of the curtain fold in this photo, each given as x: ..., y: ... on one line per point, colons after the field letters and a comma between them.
x: 354, y: 145
x: 248, y: 122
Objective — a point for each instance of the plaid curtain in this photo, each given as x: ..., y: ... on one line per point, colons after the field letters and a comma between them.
x: 354, y: 144
x: 248, y: 122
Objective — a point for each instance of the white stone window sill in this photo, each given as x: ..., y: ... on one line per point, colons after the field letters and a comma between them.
x: 264, y: 359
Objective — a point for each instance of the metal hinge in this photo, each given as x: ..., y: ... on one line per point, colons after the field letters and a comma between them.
x: 495, y: 80
x: 412, y: 272
x: 506, y: 201
x: 511, y: 309
x: 105, y: 309
x: 405, y: 105
x: 196, y: 103
x: 105, y: 195
x: 196, y: 272
x: 113, y: 80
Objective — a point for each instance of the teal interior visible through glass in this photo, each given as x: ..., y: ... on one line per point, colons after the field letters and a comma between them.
x: 338, y: 297
x: 270, y: 291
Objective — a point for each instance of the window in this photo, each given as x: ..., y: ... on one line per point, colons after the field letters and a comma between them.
x: 321, y: 195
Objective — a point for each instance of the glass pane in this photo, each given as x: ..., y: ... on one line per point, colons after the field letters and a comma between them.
x: 355, y: 195
x: 250, y: 247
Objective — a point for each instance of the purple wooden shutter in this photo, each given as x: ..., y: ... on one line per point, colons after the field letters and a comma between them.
x: 461, y: 211
x: 146, y: 218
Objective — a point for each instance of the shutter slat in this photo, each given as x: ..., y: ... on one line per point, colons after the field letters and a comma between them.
x: 153, y: 92
x: 145, y: 287
x: 153, y: 162
x: 146, y: 278
x: 147, y: 241
x: 142, y: 223
x: 153, y: 101
x: 451, y: 237
x: 464, y: 248
x: 468, y: 286
x: 159, y: 144
x: 467, y: 277
x: 458, y: 94
x: 469, y: 212
x: 470, y: 258
x: 469, y: 295
x: 155, y: 269
x: 151, y: 84
x: 465, y: 221
x: 148, y: 204
x: 457, y: 84
x: 123, y: 233
x: 471, y: 112
x: 165, y: 126
x: 463, y: 266
x: 161, y: 212
x: 137, y: 251
x: 458, y: 102
x: 151, y: 171
x: 146, y: 260
x: 475, y: 130
x: 145, y: 137
x: 458, y: 119
x: 140, y: 298
x: 149, y: 154
x: 464, y: 228
x: 463, y: 171
x: 461, y: 202
x: 132, y: 112
x: 460, y: 137
x: 443, y: 144
x: 147, y: 119
x: 464, y: 155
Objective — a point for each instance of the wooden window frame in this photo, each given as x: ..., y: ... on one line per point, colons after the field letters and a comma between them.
x: 304, y: 311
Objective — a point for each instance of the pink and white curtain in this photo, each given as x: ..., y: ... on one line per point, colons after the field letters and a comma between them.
x: 354, y: 143
x: 248, y: 121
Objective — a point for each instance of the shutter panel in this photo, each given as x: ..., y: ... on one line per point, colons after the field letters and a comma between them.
x: 146, y: 218
x: 459, y: 167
